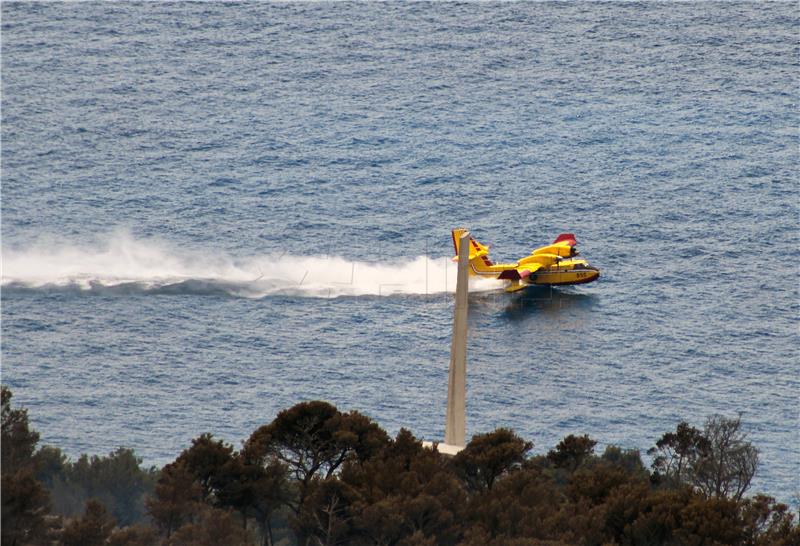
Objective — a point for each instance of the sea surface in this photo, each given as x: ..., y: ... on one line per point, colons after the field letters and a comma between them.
x: 213, y: 211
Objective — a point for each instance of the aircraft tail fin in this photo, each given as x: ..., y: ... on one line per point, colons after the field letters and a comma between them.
x: 478, y: 253
x: 457, y: 233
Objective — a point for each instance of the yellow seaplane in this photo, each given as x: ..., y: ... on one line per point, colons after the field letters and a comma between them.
x: 554, y: 264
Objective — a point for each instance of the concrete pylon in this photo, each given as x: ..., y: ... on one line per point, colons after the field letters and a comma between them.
x: 455, y: 426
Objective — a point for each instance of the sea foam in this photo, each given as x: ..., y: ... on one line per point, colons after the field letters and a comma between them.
x: 122, y: 263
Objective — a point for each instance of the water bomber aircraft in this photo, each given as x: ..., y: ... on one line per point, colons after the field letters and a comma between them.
x: 551, y: 265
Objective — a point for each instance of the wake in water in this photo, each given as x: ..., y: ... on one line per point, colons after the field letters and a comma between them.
x: 122, y: 264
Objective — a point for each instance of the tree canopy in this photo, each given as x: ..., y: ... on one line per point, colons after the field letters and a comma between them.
x: 317, y: 476
x: 719, y: 461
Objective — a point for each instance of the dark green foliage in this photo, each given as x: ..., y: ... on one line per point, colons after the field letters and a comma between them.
x: 134, y: 535
x: 490, y: 456
x: 51, y: 465
x: 255, y: 489
x: 211, y: 474
x: 18, y: 441
x: 92, y: 529
x: 709, y: 521
x: 212, y: 527
x: 305, y: 438
x: 525, y: 504
x: 728, y: 464
x: 25, y: 506
x: 326, y: 516
x: 719, y: 461
x: 767, y: 522
x: 571, y: 452
x: 313, y: 439
x: 204, y: 461
x: 657, y: 514
x: 405, y: 493
x: 117, y: 480
x: 176, y: 500
x: 676, y: 452
x: 629, y: 459
x: 333, y: 478
x: 25, y: 501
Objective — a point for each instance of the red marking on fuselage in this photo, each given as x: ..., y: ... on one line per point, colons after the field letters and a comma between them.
x: 578, y: 281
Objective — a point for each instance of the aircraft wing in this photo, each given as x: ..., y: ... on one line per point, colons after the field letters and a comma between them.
x: 519, y: 272
x: 563, y: 246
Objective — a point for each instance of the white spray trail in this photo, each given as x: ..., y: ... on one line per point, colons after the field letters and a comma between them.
x: 151, y: 266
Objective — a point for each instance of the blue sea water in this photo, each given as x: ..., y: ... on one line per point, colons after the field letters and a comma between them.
x: 212, y: 211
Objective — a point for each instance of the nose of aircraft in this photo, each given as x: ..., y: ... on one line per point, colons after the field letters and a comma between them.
x: 592, y: 274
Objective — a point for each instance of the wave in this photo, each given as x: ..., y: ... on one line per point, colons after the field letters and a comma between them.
x: 121, y: 264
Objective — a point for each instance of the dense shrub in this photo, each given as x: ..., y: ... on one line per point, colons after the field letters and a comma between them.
x: 315, y: 475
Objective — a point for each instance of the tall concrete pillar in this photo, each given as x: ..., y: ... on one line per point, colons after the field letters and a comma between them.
x: 455, y: 426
